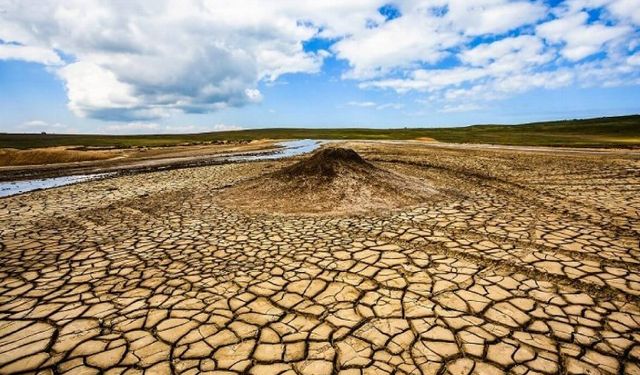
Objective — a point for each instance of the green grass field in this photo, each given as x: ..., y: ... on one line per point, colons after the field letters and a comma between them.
x: 621, y: 131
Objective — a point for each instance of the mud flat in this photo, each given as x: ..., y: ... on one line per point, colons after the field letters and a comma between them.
x: 517, y: 262
x: 17, y: 184
x: 131, y: 160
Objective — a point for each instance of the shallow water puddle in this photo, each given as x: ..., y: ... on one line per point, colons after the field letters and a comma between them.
x: 19, y: 187
x: 287, y: 149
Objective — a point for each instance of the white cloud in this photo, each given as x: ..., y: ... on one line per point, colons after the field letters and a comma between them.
x: 508, y: 54
x: 464, y: 107
x: 513, y: 64
x: 361, y: 104
x: 140, y: 61
x: 375, y: 105
x: 428, y: 79
x: 183, y: 128
x: 145, y: 127
x: 92, y: 89
x: 28, y: 53
x: 490, y: 65
x: 422, y: 35
x: 144, y: 60
x: 581, y: 39
x: 503, y: 86
x: 390, y: 106
x: 492, y: 16
x: 396, y: 44
x: 136, y: 127
x: 191, y: 128
x: 626, y: 10
x: 623, y: 10
x: 634, y: 60
x: 226, y: 127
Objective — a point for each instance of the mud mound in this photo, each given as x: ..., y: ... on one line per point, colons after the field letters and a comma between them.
x: 327, y: 163
x: 331, y: 181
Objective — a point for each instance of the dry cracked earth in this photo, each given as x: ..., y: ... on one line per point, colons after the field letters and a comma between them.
x: 525, y: 263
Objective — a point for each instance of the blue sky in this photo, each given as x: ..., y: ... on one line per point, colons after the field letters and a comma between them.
x: 191, y: 66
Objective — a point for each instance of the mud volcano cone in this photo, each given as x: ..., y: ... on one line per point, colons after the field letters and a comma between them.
x: 328, y: 163
x: 331, y: 181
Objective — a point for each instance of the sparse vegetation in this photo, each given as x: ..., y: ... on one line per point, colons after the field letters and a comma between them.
x: 623, y: 131
x: 49, y: 156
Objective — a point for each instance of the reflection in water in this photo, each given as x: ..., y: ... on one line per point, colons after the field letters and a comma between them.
x: 17, y: 187
x: 287, y: 149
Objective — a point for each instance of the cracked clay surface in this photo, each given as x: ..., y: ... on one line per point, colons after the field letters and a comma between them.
x: 524, y: 263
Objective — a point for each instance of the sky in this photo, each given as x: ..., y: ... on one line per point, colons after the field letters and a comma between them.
x: 175, y: 66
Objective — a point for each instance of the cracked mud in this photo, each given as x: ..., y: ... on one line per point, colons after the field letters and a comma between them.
x: 524, y: 263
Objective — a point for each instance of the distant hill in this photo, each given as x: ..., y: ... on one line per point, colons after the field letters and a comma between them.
x: 621, y: 131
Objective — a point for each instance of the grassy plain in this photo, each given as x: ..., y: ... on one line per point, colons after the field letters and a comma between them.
x: 622, y: 131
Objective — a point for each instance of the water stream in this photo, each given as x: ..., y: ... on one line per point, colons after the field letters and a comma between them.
x: 287, y: 149
x: 23, y: 186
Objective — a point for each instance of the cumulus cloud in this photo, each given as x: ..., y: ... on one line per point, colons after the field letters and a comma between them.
x: 140, y: 61
x: 493, y: 16
x: 398, y: 43
x: 627, y: 10
x: 580, y: 38
x: 427, y: 30
x: 143, y: 60
x: 579, y: 42
x: 508, y: 54
x: 29, y: 53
